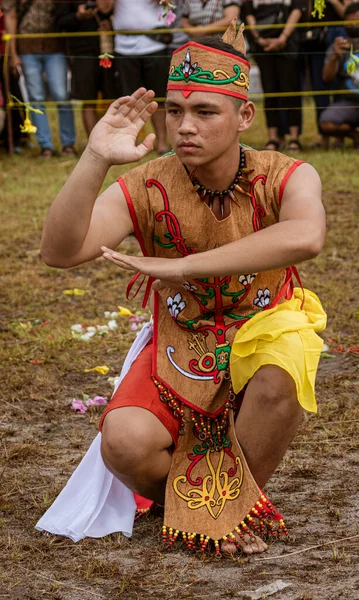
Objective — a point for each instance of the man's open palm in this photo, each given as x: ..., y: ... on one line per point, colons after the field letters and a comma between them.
x: 114, y: 137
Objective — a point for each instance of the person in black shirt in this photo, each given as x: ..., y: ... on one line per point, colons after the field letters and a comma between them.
x: 276, y: 53
x: 88, y: 77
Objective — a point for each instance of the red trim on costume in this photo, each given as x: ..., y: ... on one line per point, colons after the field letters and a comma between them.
x: 286, y: 177
x: 204, y: 88
x: 133, y: 280
x: 147, y: 290
x: 297, y: 276
x: 286, y: 291
x: 131, y: 208
x: 258, y: 211
x: 208, y: 49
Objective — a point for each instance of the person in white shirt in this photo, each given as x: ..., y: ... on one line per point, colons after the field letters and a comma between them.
x: 142, y: 60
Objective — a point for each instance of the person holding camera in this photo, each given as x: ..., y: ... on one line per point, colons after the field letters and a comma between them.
x: 341, y: 118
x: 88, y: 77
x: 37, y: 57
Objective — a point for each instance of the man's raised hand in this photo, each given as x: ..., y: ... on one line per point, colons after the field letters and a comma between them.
x: 114, y: 138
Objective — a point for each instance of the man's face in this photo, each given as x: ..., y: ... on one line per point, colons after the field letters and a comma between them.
x: 352, y: 30
x: 202, y: 126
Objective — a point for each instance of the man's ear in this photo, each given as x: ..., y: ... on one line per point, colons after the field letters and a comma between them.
x: 246, y: 115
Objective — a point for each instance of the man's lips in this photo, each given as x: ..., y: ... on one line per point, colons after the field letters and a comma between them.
x: 187, y: 145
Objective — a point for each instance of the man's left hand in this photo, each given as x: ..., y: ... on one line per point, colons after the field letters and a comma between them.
x: 168, y: 272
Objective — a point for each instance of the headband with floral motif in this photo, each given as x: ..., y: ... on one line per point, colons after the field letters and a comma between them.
x: 198, y: 68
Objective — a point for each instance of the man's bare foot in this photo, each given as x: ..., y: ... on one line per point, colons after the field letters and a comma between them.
x: 249, y: 545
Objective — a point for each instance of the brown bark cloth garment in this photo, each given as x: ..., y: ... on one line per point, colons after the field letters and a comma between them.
x: 210, y: 491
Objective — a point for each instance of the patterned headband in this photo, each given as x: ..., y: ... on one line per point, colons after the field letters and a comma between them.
x: 198, y: 68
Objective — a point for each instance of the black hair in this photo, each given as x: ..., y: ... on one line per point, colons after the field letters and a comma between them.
x: 351, y: 8
x: 217, y: 43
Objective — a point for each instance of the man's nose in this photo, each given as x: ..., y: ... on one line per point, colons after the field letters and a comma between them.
x: 187, y: 125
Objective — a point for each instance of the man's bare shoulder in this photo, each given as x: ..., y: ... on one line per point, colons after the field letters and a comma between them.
x: 268, y: 160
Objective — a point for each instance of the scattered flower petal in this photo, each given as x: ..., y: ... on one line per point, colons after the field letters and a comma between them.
x: 78, y: 328
x: 78, y: 406
x: 96, y: 401
x: 112, y: 324
x: 74, y: 292
x: 124, y: 312
x: 113, y: 380
x: 102, y: 369
x: 87, y: 336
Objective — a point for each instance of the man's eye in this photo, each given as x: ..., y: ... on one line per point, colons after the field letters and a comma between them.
x: 206, y: 112
x: 173, y: 111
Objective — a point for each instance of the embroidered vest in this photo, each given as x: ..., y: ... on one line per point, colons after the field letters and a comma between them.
x: 210, y: 492
x: 194, y: 327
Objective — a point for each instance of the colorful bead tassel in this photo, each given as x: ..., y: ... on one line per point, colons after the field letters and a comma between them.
x: 263, y: 520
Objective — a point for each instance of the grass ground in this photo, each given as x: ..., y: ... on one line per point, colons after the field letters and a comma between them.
x: 42, y: 439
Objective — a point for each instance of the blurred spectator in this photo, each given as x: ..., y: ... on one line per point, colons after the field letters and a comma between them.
x: 205, y: 16
x: 179, y: 37
x: 276, y: 53
x: 88, y: 77
x: 36, y: 57
x: 142, y: 60
x: 341, y: 118
x: 314, y: 43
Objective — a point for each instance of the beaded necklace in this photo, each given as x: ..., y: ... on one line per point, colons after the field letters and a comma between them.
x: 206, y: 192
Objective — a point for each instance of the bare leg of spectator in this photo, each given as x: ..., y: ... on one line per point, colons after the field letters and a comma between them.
x: 159, y: 124
x: 89, y: 117
x: 340, y: 131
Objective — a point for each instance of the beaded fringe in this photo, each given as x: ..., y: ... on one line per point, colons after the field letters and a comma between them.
x: 263, y: 520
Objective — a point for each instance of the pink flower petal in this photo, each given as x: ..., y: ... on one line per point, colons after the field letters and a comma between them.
x: 78, y: 406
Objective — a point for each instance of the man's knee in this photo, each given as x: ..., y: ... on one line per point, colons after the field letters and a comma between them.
x: 329, y: 128
x: 123, y: 446
x: 275, y: 387
x: 129, y: 440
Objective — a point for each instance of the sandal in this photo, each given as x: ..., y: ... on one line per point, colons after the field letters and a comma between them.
x: 68, y: 152
x: 46, y: 153
x: 272, y: 145
x: 294, y: 146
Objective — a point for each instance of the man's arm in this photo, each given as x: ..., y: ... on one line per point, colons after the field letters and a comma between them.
x: 229, y: 13
x: 79, y: 222
x: 275, y: 44
x: 298, y: 236
x: 331, y: 66
x: 10, y: 20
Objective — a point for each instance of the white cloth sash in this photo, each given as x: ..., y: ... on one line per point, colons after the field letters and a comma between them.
x: 94, y: 503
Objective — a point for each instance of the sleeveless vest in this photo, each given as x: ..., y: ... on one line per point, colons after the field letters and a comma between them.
x: 194, y: 327
x: 210, y: 491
